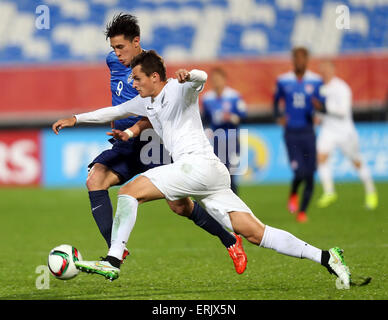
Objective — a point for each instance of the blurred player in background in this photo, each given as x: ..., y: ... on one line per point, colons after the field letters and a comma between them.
x: 223, y: 109
x: 338, y: 131
x: 296, y: 88
x: 122, y: 162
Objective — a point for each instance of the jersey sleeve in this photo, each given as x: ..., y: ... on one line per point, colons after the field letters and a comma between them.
x: 240, y: 108
x: 131, y: 107
x: 197, y: 80
x: 279, y: 94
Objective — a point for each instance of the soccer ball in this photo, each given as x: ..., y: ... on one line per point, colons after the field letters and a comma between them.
x: 61, y: 261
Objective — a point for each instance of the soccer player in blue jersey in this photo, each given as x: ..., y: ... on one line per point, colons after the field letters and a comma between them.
x: 122, y: 162
x: 223, y: 109
x: 297, y: 88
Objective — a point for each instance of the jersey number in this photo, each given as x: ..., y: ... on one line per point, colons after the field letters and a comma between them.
x: 119, y: 88
x: 298, y: 100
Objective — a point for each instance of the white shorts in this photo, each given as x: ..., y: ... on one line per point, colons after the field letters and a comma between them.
x: 346, y: 141
x: 206, y: 180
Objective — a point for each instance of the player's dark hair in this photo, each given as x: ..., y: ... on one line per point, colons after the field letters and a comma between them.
x: 150, y: 62
x: 123, y: 24
x: 300, y: 49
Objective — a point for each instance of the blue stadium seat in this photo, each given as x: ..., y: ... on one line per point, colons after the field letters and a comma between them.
x: 371, y: 33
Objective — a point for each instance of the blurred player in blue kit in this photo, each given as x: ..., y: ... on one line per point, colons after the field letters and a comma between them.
x: 223, y: 109
x: 297, y: 88
x: 122, y: 162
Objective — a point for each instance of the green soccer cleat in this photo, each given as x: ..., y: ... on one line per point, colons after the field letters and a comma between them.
x: 338, y: 267
x: 371, y: 201
x: 326, y: 200
x: 103, y: 268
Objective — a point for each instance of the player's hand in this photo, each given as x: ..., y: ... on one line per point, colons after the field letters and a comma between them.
x: 182, y: 75
x: 63, y: 123
x: 316, y: 103
x: 119, y: 135
x: 282, y: 121
x: 231, y: 117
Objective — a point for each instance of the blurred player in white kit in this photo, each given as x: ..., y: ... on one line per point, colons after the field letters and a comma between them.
x: 338, y: 131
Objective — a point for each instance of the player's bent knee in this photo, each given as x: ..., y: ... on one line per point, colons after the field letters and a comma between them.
x: 180, y: 207
x: 101, y: 178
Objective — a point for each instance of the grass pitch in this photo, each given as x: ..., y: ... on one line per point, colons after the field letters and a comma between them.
x: 171, y: 258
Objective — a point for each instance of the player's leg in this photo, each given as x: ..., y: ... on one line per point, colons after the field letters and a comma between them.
x: 130, y: 196
x: 293, y: 151
x: 112, y: 167
x: 100, y: 179
x: 352, y: 151
x: 228, y: 207
x: 325, y: 146
x: 286, y: 243
x: 308, y: 163
x: 192, y: 210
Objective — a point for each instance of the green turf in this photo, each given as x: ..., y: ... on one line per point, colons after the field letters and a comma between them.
x: 174, y: 259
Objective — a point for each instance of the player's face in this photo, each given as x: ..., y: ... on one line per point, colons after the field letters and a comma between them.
x: 300, y: 60
x: 125, y: 49
x: 218, y: 81
x: 144, y: 84
x: 327, y: 71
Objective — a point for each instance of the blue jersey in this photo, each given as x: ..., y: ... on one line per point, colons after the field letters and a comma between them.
x: 121, y: 87
x: 297, y: 96
x: 215, y: 106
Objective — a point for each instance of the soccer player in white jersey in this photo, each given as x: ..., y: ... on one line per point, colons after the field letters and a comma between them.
x: 338, y: 131
x: 172, y: 108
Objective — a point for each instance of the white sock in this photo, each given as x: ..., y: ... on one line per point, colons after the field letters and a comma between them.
x: 366, y: 178
x: 123, y: 224
x: 285, y: 243
x: 324, y: 172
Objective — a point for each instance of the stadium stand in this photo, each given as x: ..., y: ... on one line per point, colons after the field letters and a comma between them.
x: 59, y: 67
x: 206, y: 29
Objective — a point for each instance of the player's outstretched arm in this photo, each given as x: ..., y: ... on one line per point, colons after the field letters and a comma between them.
x: 63, y: 123
x: 197, y: 76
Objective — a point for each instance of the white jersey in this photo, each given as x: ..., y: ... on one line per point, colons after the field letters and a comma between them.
x: 338, y: 116
x: 174, y: 115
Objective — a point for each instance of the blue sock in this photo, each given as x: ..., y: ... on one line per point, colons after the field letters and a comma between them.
x: 102, y: 212
x: 204, y: 220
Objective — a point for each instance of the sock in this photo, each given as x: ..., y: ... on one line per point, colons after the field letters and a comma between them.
x: 324, y: 172
x: 123, y: 224
x: 366, y: 178
x: 295, y: 184
x: 204, y: 220
x: 113, y: 261
x: 308, y: 192
x: 102, y: 212
x: 286, y: 243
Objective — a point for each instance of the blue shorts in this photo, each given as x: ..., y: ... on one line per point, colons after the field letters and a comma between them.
x: 124, y: 159
x: 301, y: 148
